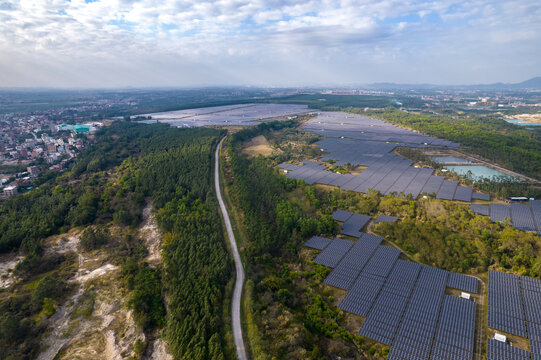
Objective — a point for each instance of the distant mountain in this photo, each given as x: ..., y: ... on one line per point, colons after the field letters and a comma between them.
x: 531, y: 84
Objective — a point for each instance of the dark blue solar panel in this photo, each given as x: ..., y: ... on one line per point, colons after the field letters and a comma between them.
x: 499, y: 350
x: 536, y: 212
x: 447, y: 190
x: 499, y: 212
x: 480, y: 209
x: 462, y: 282
x: 433, y: 185
x: 345, y: 273
x: 341, y: 215
x: 480, y: 196
x: 463, y: 193
x: 386, y: 218
x: 382, y: 261
x: 456, y: 325
x: 318, y: 242
x: 334, y: 252
x: 522, y: 218
x: 505, y: 311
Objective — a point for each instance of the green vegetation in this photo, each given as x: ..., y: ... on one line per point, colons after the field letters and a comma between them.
x: 494, y: 139
x: 289, y: 313
x: 108, y: 184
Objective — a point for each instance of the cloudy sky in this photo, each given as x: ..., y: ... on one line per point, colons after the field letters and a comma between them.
x: 117, y: 43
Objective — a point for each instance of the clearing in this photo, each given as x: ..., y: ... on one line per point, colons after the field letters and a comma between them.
x: 258, y: 146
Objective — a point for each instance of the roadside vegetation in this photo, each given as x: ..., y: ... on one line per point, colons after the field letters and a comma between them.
x: 102, y: 197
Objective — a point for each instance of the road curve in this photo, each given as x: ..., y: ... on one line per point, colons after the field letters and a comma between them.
x: 239, y: 282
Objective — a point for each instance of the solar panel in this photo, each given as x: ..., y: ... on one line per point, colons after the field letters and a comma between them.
x: 386, y: 218
x: 505, y: 310
x: 480, y: 196
x: 522, y: 218
x: 456, y: 324
x: 463, y: 193
x: 382, y: 261
x: 480, y: 209
x: 447, y: 190
x: 499, y: 350
x: 341, y: 215
x: 354, y: 224
x: 318, y: 242
x: 499, y: 212
x: 433, y: 185
x: 536, y: 212
x: 334, y: 252
x: 345, y: 273
x: 462, y: 282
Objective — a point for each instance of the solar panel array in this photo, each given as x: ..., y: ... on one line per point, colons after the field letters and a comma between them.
x: 505, y: 311
x: 531, y: 295
x: 463, y: 282
x: 405, y: 303
x: 418, y: 326
x: 480, y: 209
x: 456, y: 329
x: 480, y: 196
x: 520, y: 314
x: 522, y: 216
x: 447, y: 190
x: 334, y: 252
x: 318, y: 242
x: 359, y: 140
x: 386, y: 218
x: 345, y: 273
x: 341, y: 215
x: 499, y: 212
x: 354, y: 224
x: 497, y: 350
x: 239, y: 114
x: 384, y: 317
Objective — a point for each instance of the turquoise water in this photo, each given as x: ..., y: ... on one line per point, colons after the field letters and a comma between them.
x: 521, y: 122
x: 478, y: 172
x: 449, y: 160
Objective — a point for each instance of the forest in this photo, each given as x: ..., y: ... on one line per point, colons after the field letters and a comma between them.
x: 285, y: 298
x: 108, y: 185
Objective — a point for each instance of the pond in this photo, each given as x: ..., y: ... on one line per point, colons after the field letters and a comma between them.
x: 479, y: 172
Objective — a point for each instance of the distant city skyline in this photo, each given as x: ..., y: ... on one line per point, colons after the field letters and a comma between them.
x: 170, y: 43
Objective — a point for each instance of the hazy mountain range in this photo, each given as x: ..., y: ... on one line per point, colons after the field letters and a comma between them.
x: 531, y: 84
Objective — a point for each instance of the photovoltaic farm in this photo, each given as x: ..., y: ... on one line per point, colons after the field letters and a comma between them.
x: 514, y: 307
x: 363, y: 141
x: 525, y: 217
x: 240, y: 114
x: 404, y: 304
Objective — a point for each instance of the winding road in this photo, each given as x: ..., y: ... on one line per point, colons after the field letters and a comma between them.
x: 237, y: 293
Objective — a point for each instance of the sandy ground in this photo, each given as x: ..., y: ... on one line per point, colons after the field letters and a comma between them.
x: 151, y: 235
x: 7, y: 264
x: 258, y: 146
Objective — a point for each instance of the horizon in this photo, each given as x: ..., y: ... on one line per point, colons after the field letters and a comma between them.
x: 117, y: 44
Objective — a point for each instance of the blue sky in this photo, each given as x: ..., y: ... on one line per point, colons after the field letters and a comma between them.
x: 117, y: 43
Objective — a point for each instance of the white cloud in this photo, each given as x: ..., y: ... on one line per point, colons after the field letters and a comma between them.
x: 190, y: 42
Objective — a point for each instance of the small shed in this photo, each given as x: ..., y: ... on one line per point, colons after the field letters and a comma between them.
x: 500, y: 337
x: 466, y: 296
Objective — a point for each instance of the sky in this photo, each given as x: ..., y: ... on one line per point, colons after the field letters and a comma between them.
x: 183, y: 43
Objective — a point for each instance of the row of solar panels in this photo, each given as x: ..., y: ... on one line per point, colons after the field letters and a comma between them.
x: 401, y: 300
x: 523, y: 216
x: 337, y: 124
x: 389, y: 175
x: 514, y: 306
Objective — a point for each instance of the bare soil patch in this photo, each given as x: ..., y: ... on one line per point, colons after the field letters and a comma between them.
x: 258, y: 146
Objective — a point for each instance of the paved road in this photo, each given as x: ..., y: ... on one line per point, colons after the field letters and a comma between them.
x: 237, y: 293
